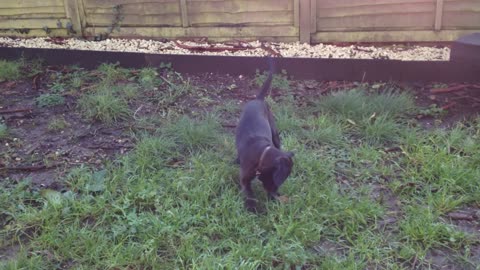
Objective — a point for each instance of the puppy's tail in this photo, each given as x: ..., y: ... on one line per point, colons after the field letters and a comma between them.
x: 266, y: 85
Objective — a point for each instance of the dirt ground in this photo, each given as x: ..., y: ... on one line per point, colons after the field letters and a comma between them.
x: 45, y: 156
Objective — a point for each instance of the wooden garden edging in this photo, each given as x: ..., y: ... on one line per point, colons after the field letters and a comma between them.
x: 300, y: 68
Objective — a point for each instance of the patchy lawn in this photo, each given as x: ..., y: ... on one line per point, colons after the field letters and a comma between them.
x: 134, y: 169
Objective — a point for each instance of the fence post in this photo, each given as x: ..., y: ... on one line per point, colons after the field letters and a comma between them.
x: 305, y: 21
x: 75, y: 11
x: 438, y: 15
x: 184, y: 13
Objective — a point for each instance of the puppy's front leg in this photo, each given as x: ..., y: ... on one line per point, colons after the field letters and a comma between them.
x: 269, y: 186
x: 273, y: 195
x: 246, y: 178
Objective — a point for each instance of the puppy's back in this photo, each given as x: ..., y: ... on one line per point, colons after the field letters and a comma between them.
x: 253, y: 122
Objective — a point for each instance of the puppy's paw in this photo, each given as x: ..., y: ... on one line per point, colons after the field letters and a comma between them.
x: 251, y: 205
x: 273, y: 196
x: 282, y: 199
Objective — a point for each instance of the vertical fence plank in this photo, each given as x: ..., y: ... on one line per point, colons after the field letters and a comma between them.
x: 438, y: 15
x: 313, y: 16
x: 296, y: 12
x: 184, y: 12
x: 82, y: 13
x: 305, y: 21
x: 75, y: 12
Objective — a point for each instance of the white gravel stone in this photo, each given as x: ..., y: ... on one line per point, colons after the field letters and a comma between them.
x: 411, y: 53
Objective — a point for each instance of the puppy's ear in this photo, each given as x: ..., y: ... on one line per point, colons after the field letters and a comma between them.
x: 281, y: 171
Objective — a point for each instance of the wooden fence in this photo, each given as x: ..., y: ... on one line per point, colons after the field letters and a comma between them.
x: 280, y: 20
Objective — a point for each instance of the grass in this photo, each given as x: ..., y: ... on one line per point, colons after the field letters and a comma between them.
x: 111, y: 73
x: 433, y: 111
x: 57, y: 124
x: 173, y: 202
x: 324, y: 130
x: 376, y: 130
x: 3, y: 131
x: 279, y: 81
x: 14, y: 70
x: 128, y: 91
x: 68, y: 79
x: 194, y: 134
x: 148, y: 78
x: 174, y: 87
x: 102, y: 104
x: 10, y: 70
x: 50, y: 100
x: 374, y: 117
x: 357, y: 104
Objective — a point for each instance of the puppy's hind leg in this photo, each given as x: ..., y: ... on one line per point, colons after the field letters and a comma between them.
x: 274, y: 130
x: 246, y: 178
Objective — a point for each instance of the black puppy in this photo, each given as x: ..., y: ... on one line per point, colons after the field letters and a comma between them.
x: 258, y: 148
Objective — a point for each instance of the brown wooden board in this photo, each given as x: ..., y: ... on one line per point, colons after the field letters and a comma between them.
x: 33, y: 23
x: 160, y: 8
x: 299, y: 68
x: 235, y: 6
x: 135, y: 20
x: 276, y: 18
x: 30, y: 3
x: 391, y: 36
x: 32, y: 11
x: 398, y: 21
x: 253, y: 32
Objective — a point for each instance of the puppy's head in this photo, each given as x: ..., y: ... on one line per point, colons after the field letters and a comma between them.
x: 282, y: 168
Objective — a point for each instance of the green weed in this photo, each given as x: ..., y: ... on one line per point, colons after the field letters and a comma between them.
x: 279, y: 81
x: 111, y: 73
x: 78, y: 78
x: 50, y: 100
x: 31, y: 67
x: 148, y: 78
x: 174, y: 87
x: 10, y: 70
x: 74, y: 79
x: 3, y: 131
x: 432, y: 110
x: 379, y: 130
x: 14, y: 70
x: 128, y: 91
x: 103, y: 105
x: 57, y: 124
x: 58, y: 87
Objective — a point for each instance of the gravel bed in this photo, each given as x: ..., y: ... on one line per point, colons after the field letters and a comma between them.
x: 255, y: 48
